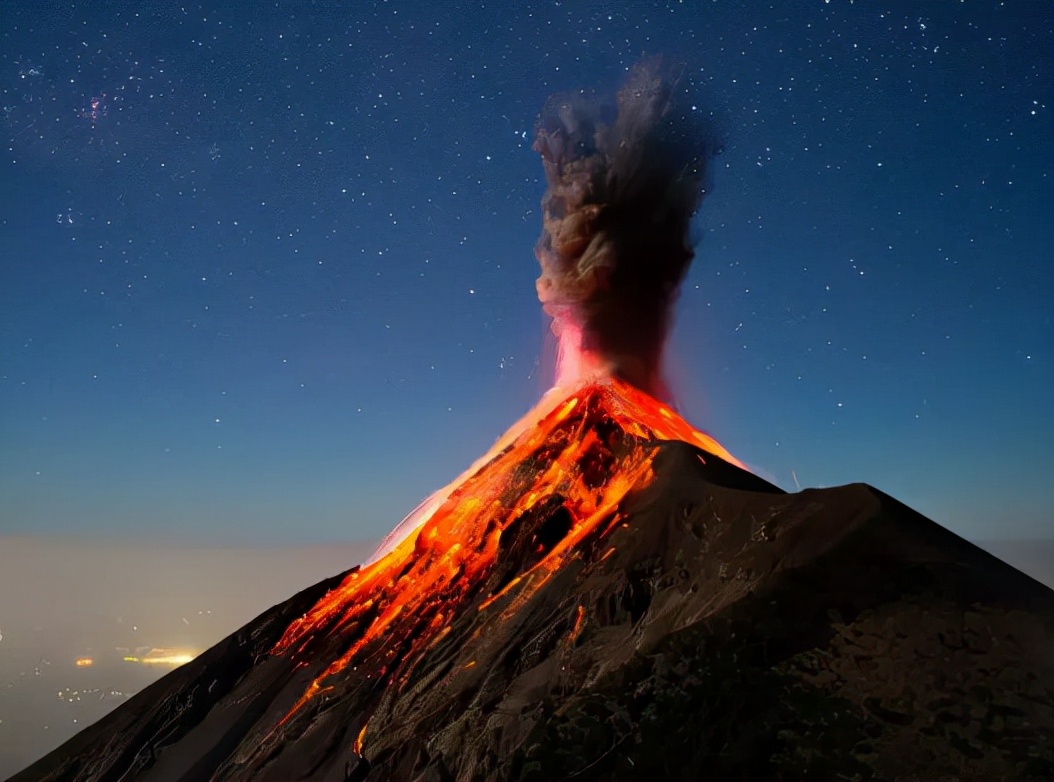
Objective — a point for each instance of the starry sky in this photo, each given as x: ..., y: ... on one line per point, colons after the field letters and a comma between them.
x: 267, y: 271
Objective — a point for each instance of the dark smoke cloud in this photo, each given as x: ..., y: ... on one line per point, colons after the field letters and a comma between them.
x: 624, y: 180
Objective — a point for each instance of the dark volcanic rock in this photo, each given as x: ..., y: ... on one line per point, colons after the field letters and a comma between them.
x: 722, y: 630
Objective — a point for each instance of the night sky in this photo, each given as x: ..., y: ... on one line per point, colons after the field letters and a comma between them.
x: 267, y: 271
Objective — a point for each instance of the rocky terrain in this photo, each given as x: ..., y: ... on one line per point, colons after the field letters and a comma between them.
x: 603, y: 601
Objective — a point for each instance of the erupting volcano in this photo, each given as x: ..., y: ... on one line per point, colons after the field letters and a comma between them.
x: 608, y: 594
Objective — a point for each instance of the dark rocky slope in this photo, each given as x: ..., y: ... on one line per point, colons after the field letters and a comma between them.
x: 713, y: 627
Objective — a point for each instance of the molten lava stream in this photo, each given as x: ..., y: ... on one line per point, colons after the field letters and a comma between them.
x: 585, y: 454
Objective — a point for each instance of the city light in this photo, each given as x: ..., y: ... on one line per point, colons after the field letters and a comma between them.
x: 163, y: 657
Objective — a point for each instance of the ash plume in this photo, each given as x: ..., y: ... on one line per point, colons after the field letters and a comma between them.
x: 624, y: 180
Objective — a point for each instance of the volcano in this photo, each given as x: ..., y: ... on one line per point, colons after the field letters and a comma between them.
x: 607, y: 594
x: 608, y: 597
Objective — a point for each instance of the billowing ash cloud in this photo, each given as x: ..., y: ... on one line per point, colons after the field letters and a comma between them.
x: 624, y: 180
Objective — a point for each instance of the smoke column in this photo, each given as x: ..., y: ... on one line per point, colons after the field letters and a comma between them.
x: 624, y: 180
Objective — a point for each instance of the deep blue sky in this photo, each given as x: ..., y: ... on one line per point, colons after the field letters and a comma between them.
x: 267, y: 269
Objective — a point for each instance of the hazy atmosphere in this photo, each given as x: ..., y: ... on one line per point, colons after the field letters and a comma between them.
x: 67, y: 600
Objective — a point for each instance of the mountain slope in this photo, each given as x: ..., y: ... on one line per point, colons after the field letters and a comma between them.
x: 604, y: 599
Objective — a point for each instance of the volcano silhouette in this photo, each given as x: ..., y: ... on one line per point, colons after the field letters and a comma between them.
x: 607, y: 596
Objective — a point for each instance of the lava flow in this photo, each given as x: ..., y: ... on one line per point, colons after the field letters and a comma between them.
x: 539, y: 500
x: 623, y: 182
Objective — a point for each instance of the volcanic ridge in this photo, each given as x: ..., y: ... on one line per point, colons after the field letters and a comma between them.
x: 607, y: 599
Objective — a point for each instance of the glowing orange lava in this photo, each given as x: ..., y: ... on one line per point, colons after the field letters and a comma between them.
x: 558, y: 477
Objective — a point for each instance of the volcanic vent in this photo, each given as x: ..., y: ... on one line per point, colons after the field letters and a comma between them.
x: 607, y: 594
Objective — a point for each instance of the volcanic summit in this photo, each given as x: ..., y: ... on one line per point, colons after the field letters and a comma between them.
x: 607, y: 594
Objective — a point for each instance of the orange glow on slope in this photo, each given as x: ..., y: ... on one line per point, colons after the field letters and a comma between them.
x: 648, y: 418
x: 567, y: 465
x: 356, y: 746
x: 580, y: 615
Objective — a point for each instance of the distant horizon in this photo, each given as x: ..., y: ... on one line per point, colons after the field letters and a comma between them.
x: 79, y: 596
x: 324, y: 559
